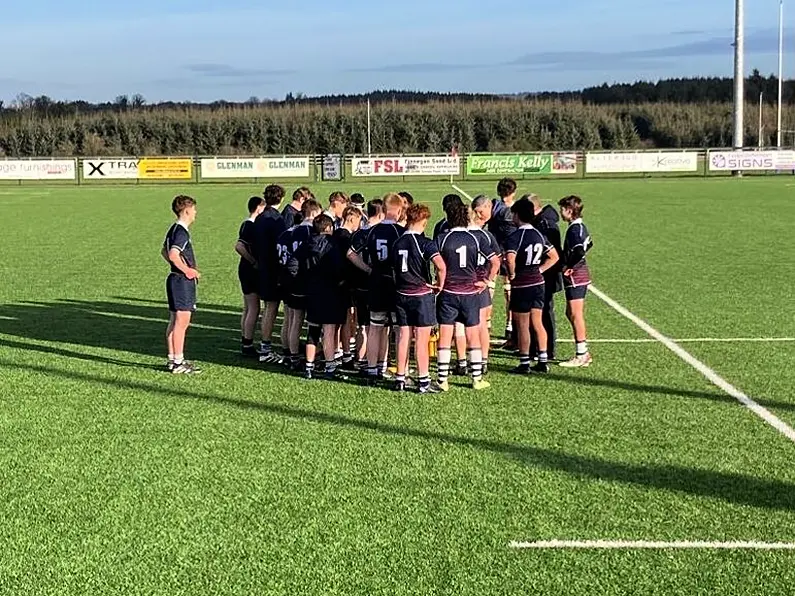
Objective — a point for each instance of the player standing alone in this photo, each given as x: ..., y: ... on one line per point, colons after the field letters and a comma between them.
x: 576, y: 276
x: 459, y: 301
x: 181, y: 283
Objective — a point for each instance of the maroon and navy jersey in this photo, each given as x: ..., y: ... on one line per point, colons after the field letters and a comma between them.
x: 575, y: 246
x: 461, y: 252
x: 440, y: 228
x: 501, y: 223
x: 485, y: 238
x: 178, y: 237
x: 530, y: 247
x: 411, y: 257
x: 379, y: 247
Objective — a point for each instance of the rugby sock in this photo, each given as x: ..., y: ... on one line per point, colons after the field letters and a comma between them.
x: 476, y: 360
x: 310, y: 367
x: 425, y: 381
x: 582, y: 348
x: 331, y: 367
x: 362, y: 365
x: 462, y: 363
x: 400, y: 378
x: 247, y: 343
x: 543, y: 358
x: 444, y: 364
x: 372, y: 371
x: 179, y: 359
x: 351, y: 345
x: 524, y: 359
x: 266, y: 347
x: 171, y: 357
x: 384, y: 367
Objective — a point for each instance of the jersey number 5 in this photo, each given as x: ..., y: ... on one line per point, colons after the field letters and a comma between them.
x: 382, y: 248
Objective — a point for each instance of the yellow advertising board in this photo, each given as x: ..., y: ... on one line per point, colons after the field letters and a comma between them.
x: 165, y: 169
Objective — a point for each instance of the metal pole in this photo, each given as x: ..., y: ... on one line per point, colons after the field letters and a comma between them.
x: 739, y: 72
x: 780, y: 69
x: 759, y: 135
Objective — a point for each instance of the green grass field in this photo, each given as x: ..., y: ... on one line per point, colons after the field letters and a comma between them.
x: 118, y: 478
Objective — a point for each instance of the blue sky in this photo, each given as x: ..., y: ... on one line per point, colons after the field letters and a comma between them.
x: 202, y: 50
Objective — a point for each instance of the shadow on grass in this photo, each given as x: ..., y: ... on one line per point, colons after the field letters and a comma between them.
x: 738, y: 489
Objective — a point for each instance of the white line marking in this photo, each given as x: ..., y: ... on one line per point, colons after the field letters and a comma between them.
x: 687, y: 340
x: 710, y: 374
x: 462, y: 191
x: 635, y: 544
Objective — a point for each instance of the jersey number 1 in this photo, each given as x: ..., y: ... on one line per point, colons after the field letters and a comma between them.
x: 462, y: 257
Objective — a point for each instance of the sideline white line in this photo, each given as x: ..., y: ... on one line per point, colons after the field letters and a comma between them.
x: 710, y: 374
x: 462, y: 191
x: 636, y: 544
x: 687, y: 340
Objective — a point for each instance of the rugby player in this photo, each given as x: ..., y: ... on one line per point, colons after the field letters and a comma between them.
x: 528, y: 255
x: 375, y: 257
x: 247, y: 274
x: 546, y: 221
x: 415, y: 306
x: 268, y: 226
x: 180, y: 283
x: 351, y: 223
x: 576, y: 276
x: 292, y: 211
x: 337, y: 202
x: 293, y: 289
x: 459, y: 300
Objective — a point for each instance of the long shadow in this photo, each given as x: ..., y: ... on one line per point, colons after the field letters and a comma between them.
x: 203, y: 306
x: 732, y: 488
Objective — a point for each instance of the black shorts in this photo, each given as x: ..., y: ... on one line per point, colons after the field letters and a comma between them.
x: 415, y: 311
x: 326, y: 308
x: 361, y: 303
x: 295, y: 302
x: 181, y: 293
x: 268, y: 287
x: 382, y: 299
x: 458, y: 308
x: 248, y: 282
x: 523, y: 300
x: 485, y: 298
x: 576, y: 292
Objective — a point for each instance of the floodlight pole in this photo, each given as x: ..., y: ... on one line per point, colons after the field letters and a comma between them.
x: 759, y: 136
x: 369, y: 133
x: 739, y: 72
x: 780, y: 69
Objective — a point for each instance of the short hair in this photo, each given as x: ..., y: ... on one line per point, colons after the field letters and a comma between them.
x: 407, y: 195
x: 375, y: 208
x: 458, y: 216
x: 181, y: 202
x: 273, y: 194
x: 310, y: 209
x: 393, y: 201
x: 301, y: 194
x: 450, y: 200
x: 351, y: 211
x: 574, y: 203
x: 338, y: 197
x: 479, y: 201
x: 254, y: 203
x: 506, y: 187
x: 417, y: 212
x: 323, y: 224
x: 524, y: 210
x: 533, y: 198
x: 357, y: 199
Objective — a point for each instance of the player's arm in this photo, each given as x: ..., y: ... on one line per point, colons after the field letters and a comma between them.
x: 175, y: 258
x: 355, y: 258
x: 510, y: 263
x: 441, y: 272
x: 551, y: 260
x: 242, y: 249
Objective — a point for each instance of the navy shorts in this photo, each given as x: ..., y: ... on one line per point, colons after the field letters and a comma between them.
x: 485, y: 298
x: 248, y: 282
x: 295, y: 302
x: 458, y: 308
x: 268, y: 287
x: 575, y: 292
x: 523, y: 300
x: 326, y: 308
x: 382, y: 298
x: 361, y: 303
x: 415, y: 311
x: 181, y: 293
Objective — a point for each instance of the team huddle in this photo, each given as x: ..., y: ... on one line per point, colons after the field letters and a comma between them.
x: 355, y: 273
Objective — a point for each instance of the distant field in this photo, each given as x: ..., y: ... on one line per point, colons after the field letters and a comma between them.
x: 118, y: 478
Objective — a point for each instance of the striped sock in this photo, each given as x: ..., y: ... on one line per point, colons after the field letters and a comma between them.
x: 362, y: 365
x: 400, y: 378
x: 425, y: 381
x: 524, y: 359
x: 444, y: 357
x: 462, y: 363
x: 372, y: 371
x: 476, y: 360
x: 266, y: 347
x: 384, y: 367
x: 310, y: 367
x: 582, y: 348
x: 351, y: 345
x: 543, y: 358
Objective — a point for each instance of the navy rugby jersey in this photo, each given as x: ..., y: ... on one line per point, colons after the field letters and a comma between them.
x: 530, y: 246
x: 501, y: 223
x: 357, y: 278
x: 246, y: 237
x: 288, y: 244
x: 380, y: 242
x: 440, y: 228
x: 411, y: 257
x: 291, y: 215
x: 268, y: 226
x: 576, y: 245
x: 461, y: 253
x: 178, y: 237
x: 485, y: 239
